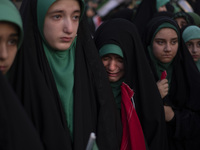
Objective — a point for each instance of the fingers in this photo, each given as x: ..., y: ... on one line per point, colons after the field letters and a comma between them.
x: 163, y: 87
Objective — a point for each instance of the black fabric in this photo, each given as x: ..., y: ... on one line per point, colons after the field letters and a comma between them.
x: 195, y: 5
x: 94, y: 106
x: 144, y: 14
x: 163, y: 13
x: 183, y: 130
x: 16, y: 130
x: 186, y: 16
x: 139, y: 77
x: 125, y: 13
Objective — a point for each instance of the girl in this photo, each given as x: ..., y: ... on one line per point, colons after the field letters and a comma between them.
x: 16, y: 129
x: 60, y: 79
x: 180, y: 88
x: 132, y: 83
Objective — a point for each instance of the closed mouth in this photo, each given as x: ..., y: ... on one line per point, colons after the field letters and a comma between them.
x: 66, y: 39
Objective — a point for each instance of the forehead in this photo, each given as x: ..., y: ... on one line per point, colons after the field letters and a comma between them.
x: 7, y: 27
x: 166, y: 33
x: 65, y: 5
x: 180, y: 19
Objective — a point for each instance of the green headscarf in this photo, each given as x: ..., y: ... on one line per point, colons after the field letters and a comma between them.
x: 10, y: 13
x: 110, y: 49
x: 116, y: 86
x: 61, y: 64
x: 159, y: 66
x: 190, y: 33
x: 160, y: 3
x: 195, y: 17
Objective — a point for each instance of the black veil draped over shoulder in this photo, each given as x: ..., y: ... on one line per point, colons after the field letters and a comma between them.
x: 139, y: 77
x: 16, y: 129
x: 183, y: 131
x: 94, y: 106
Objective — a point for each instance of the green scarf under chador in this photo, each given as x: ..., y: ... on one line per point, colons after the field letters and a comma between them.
x: 116, y: 89
x: 61, y: 64
x: 62, y: 67
x: 160, y: 67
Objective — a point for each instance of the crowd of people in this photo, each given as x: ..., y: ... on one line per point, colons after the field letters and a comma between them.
x: 132, y: 78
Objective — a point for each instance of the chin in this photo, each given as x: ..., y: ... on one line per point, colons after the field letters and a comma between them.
x: 166, y: 60
x: 61, y: 48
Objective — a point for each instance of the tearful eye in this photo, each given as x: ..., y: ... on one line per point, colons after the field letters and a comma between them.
x: 104, y: 58
x: 120, y: 60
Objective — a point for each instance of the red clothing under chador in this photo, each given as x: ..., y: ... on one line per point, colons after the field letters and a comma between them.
x: 132, y: 138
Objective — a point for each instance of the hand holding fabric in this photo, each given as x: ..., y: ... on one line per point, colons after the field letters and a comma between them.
x: 163, y: 87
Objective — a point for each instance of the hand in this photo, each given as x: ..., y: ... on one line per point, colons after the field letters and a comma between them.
x: 169, y: 113
x: 163, y: 87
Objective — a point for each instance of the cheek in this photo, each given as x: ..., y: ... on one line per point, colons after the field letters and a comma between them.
x: 198, y: 49
x: 157, y: 50
x: 105, y: 63
x: 121, y: 66
x: 49, y: 31
x: 12, y: 54
x: 76, y: 25
x: 175, y: 50
x: 190, y: 49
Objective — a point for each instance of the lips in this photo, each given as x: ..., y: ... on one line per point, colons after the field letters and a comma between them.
x: 195, y: 56
x: 166, y: 55
x: 113, y: 74
x: 2, y: 68
x: 66, y: 39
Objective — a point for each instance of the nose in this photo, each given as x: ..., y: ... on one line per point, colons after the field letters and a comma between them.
x: 112, y: 65
x: 3, y: 51
x: 67, y: 26
x: 167, y: 47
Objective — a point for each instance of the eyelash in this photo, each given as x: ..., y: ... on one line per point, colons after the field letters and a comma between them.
x: 56, y: 17
x: 13, y: 42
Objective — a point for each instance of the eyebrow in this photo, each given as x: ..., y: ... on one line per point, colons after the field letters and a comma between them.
x: 61, y: 11
x: 176, y: 38
x: 16, y: 35
x: 55, y: 11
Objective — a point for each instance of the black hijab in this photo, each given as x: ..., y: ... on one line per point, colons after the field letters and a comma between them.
x: 144, y: 14
x: 16, y: 130
x: 138, y: 76
x: 33, y: 81
x: 183, y: 130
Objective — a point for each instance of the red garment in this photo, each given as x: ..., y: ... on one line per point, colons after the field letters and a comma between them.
x: 132, y: 138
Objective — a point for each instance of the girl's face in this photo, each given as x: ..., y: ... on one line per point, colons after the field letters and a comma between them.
x: 162, y: 8
x: 9, y: 37
x: 165, y: 45
x: 114, y: 66
x: 181, y: 22
x: 194, y: 48
x: 61, y: 23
